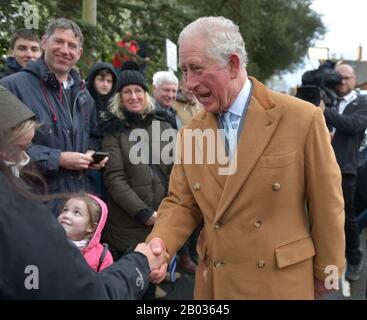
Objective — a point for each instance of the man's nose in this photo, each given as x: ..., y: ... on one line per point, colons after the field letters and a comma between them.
x: 29, y: 53
x: 191, y: 82
x: 64, y: 48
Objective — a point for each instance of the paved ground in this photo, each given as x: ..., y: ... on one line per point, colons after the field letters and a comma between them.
x: 183, y: 288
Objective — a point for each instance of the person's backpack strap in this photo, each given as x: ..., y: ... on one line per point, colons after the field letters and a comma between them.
x: 101, y: 258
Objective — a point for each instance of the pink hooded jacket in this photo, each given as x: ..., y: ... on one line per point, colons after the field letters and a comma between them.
x: 93, y: 251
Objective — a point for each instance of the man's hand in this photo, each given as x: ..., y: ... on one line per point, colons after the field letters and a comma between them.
x: 155, y: 261
x: 75, y: 160
x: 151, y: 219
x: 96, y: 166
x: 158, y: 247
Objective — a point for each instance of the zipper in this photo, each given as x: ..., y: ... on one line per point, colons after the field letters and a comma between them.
x: 67, y: 103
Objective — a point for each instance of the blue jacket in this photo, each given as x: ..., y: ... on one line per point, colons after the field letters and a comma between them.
x: 60, y: 128
x: 11, y: 66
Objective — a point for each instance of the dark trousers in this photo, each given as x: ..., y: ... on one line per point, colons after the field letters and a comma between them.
x: 351, y: 223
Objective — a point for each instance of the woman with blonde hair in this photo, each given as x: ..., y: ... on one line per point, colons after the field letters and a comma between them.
x: 135, y: 188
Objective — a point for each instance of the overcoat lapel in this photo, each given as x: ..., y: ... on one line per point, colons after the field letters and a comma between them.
x: 258, y: 129
x: 209, y: 122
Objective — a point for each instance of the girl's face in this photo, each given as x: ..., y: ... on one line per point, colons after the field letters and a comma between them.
x: 103, y: 84
x: 75, y: 219
x: 133, y: 98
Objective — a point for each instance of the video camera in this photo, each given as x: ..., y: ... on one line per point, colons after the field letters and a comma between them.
x: 320, y: 84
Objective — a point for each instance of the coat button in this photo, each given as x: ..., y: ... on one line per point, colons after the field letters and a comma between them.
x: 261, y: 264
x: 218, y: 263
x: 217, y: 225
x: 276, y: 186
x: 196, y: 186
x: 258, y: 224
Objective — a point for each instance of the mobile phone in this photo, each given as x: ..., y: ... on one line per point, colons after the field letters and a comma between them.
x: 98, y: 156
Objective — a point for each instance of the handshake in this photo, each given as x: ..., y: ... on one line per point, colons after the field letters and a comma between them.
x: 157, y: 256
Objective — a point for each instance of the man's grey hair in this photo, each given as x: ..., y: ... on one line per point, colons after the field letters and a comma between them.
x: 64, y: 24
x: 162, y: 77
x: 224, y: 38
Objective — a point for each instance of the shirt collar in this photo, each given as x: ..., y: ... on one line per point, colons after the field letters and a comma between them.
x: 68, y: 83
x: 350, y: 96
x: 238, y: 106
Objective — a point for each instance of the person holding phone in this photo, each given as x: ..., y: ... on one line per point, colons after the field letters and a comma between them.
x: 52, y: 88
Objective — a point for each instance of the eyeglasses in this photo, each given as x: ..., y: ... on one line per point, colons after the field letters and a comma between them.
x: 129, y: 93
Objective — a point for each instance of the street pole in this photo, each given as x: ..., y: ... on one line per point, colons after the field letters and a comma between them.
x: 90, y: 11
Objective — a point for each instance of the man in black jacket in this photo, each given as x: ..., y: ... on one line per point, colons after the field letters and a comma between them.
x: 348, y: 122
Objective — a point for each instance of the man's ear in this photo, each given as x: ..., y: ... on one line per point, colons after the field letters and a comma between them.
x: 92, y: 227
x: 80, y: 52
x: 235, y: 65
x: 43, y: 42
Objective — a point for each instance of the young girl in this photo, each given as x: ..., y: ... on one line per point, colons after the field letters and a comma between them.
x: 83, y: 217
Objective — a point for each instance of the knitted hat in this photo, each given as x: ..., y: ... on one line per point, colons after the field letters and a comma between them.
x: 130, y: 74
x: 12, y: 111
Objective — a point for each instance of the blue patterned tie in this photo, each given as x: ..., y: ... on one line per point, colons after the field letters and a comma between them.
x: 230, y: 131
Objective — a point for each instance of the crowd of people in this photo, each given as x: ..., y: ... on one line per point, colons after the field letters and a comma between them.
x: 71, y: 185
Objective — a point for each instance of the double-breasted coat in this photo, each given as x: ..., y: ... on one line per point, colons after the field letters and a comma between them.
x: 273, y: 225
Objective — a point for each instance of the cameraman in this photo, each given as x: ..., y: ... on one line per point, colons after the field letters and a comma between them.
x: 348, y: 121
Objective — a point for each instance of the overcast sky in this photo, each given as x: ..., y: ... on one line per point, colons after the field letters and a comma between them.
x: 346, y: 24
